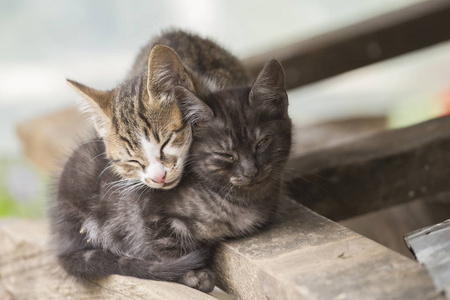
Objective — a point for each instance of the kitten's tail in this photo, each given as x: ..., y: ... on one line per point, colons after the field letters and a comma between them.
x: 97, y: 263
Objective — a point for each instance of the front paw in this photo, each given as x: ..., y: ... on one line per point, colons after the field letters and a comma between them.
x: 200, y: 279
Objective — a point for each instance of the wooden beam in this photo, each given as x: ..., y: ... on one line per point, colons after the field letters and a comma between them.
x: 306, y: 256
x: 388, y: 226
x: 302, y: 256
x: 374, y: 40
x: 49, y: 139
x: 385, y: 169
x: 28, y: 270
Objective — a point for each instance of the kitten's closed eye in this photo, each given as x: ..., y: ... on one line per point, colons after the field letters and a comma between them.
x: 135, y: 162
x: 262, y: 144
x: 225, y: 156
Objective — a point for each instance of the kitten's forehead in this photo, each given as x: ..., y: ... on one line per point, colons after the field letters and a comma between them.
x: 136, y: 116
x: 234, y: 114
x: 166, y: 117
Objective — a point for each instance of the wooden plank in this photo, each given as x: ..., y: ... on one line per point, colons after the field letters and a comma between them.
x: 48, y: 139
x: 28, y: 270
x: 313, y: 137
x: 306, y: 256
x: 431, y: 247
x: 388, y: 226
x: 418, y: 26
x: 385, y: 169
x: 303, y: 256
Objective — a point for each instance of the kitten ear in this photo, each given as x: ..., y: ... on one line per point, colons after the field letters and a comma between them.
x: 96, y: 103
x: 165, y: 70
x: 269, y: 89
x: 194, y: 109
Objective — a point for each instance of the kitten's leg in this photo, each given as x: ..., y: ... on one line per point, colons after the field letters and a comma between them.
x: 97, y: 263
x: 200, y: 279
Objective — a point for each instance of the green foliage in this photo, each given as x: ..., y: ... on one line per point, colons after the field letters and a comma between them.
x: 31, y: 206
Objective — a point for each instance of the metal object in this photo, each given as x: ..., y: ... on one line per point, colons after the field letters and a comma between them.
x: 431, y: 247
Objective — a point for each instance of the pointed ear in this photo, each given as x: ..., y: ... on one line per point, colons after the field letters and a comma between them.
x: 165, y: 70
x: 269, y: 89
x: 194, y: 110
x: 96, y: 103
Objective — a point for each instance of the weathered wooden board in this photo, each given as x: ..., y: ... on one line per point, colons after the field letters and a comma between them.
x: 385, y: 169
x: 313, y: 137
x: 306, y: 256
x: 48, y: 139
x: 303, y: 256
x: 29, y: 271
x: 395, y: 33
x: 431, y: 246
x: 388, y: 226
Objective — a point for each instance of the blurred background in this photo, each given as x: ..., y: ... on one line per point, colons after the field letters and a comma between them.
x: 95, y: 42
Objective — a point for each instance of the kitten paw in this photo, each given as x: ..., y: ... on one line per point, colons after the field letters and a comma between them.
x: 200, y: 279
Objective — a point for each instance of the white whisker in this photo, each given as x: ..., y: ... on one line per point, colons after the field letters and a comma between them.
x: 96, y: 157
x: 108, y: 166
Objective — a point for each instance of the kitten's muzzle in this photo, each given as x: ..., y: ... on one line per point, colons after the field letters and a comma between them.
x: 156, y: 181
x: 173, y: 182
x: 251, y: 179
x: 248, y: 169
x: 245, y: 182
x: 159, y: 179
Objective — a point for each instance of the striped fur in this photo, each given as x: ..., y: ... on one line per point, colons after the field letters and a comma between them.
x: 140, y: 113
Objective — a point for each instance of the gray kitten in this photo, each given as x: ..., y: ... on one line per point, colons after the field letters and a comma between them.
x: 230, y: 188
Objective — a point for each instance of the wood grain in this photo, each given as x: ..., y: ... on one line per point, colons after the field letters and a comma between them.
x: 28, y: 270
x: 306, y: 256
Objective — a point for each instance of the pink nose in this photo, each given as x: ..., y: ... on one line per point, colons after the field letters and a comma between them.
x: 160, y: 178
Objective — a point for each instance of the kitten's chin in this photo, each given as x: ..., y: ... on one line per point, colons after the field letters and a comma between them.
x: 172, y: 184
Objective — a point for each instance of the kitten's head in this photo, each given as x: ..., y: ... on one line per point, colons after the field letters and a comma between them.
x: 141, y: 125
x: 242, y: 137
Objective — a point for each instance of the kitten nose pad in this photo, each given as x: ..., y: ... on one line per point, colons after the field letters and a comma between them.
x: 156, y: 173
x: 248, y: 168
x: 250, y: 173
x: 159, y: 178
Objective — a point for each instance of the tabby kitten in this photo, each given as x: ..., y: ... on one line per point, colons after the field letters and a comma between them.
x: 143, y: 130
x: 230, y: 188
